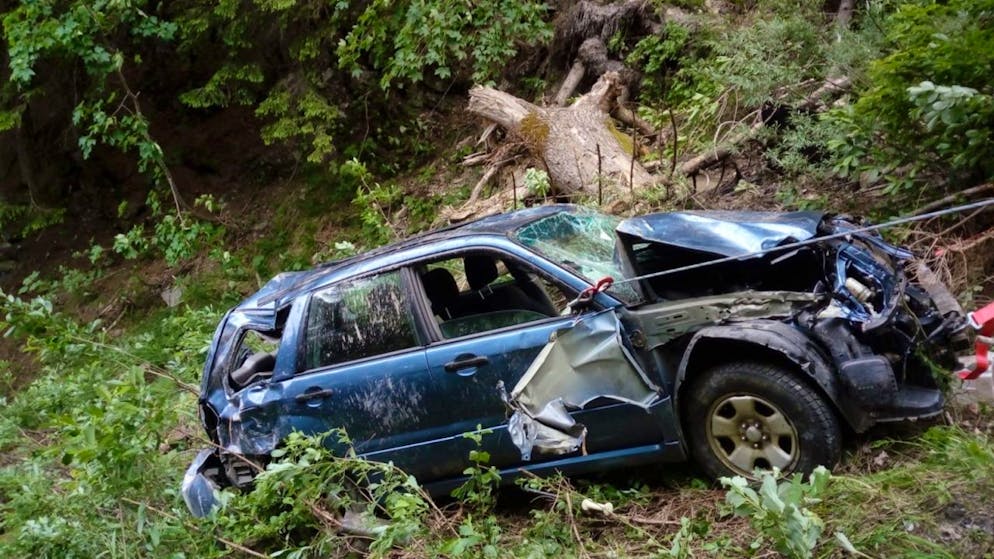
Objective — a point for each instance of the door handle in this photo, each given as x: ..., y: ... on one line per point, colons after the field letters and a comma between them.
x: 312, y: 394
x: 466, y: 363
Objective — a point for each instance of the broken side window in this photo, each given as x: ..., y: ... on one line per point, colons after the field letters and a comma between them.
x: 357, y: 319
x: 256, y: 357
x: 583, y: 242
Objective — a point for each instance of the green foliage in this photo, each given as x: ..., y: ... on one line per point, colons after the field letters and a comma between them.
x: 926, y: 112
x: 376, y: 203
x: 483, y: 479
x: 890, y: 511
x: 307, y: 483
x: 230, y: 85
x: 717, y: 78
x: 97, y: 35
x: 337, y: 251
x: 404, y: 42
x: 754, y: 61
x: 308, y: 116
x: 29, y: 219
x: 537, y: 182
x: 77, y: 30
x: 92, y: 433
x: 801, y: 153
x: 302, y: 84
x: 779, y: 511
x: 395, y: 44
x: 658, y: 56
x: 176, y: 237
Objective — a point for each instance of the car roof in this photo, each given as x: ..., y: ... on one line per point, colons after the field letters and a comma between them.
x: 288, y: 285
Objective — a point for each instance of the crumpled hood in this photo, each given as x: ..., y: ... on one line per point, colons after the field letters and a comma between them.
x: 725, y: 233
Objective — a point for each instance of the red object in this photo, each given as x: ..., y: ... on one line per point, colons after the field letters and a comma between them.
x: 602, y: 284
x: 983, y: 321
x: 606, y: 282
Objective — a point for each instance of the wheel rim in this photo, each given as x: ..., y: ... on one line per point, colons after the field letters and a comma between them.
x: 747, y: 432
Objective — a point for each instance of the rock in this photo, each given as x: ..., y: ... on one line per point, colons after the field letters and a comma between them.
x: 974, y: 392
x: 172, y: 295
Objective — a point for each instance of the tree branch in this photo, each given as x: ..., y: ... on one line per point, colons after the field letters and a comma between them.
x: 570, y: 84
x: 160, y: 159
x: 946, y: 200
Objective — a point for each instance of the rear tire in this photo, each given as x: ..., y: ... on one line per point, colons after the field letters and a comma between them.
x: 746, y: 415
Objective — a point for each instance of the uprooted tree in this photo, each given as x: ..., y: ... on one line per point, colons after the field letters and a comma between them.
x: 578, y: 145
x: 591, y: 146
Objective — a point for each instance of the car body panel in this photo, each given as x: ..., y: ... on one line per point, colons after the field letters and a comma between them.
x: 724, y: 233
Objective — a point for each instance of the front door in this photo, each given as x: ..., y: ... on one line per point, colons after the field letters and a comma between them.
x: 490, y: 333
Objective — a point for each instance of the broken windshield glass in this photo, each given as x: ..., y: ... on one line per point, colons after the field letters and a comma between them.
x: 584, y: 242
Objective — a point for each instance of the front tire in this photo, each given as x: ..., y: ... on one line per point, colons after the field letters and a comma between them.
x: 744, y: 416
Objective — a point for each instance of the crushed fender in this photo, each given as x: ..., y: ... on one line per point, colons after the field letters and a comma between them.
x: 584, y: 362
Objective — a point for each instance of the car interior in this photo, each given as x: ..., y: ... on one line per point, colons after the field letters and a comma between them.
x: 256, y: 358
x: 478, y: 292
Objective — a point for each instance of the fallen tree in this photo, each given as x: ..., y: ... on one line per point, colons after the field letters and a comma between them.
x: 578, y: 145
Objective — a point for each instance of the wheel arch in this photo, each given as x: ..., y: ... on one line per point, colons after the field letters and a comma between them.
x: 769, y: 341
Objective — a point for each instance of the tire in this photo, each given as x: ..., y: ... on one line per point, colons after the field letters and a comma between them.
x: 745, y: 415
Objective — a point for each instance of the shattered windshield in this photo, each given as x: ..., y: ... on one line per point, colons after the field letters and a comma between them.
x: 584, y: 242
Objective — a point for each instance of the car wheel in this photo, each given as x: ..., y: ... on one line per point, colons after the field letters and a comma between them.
x: 742, y: 416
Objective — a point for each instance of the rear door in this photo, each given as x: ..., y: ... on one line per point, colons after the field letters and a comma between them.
x: 361, y: 367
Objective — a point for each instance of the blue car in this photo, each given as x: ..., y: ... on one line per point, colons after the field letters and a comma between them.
x: 583, y: 342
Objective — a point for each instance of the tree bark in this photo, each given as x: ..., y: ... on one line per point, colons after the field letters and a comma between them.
x: 566, y: 139
x: 832, y: 86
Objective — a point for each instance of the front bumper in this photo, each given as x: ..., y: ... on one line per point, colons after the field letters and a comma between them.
x: 199, y: 491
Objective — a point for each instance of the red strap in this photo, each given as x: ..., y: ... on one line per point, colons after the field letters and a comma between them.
x: 983, y: 321
x: 602, y: 284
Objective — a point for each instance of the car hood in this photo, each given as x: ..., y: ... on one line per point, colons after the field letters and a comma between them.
x: 724, y: 233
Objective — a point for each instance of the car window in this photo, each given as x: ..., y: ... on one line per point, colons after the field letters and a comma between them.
x: 357, y: 319
x: 255, y: 358
x: 584, y: 242
x: 479, y: 291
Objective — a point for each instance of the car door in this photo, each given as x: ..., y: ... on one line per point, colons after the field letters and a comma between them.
x: 360, y: 367
x: 470, y: 363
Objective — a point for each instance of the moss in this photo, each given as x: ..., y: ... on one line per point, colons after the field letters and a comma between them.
x: 534, y: 130
x: 624, y: 140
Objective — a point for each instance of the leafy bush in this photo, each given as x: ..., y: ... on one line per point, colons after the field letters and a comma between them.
x: 658, y: 56
x: 95, y: 431
x: 779, y: 511
x: 926, y: 113
x: 176, y: 236
x: 298, y: 501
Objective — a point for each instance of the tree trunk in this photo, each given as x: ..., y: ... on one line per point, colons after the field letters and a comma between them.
x: 844, y: 15
x: 567, y: 139
x: 25, y: 156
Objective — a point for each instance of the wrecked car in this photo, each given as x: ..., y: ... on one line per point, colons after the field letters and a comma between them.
x: 581, y: 341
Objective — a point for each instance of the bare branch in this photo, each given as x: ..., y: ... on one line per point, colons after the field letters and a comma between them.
x: 946, y: 200
x: 570, y: 84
